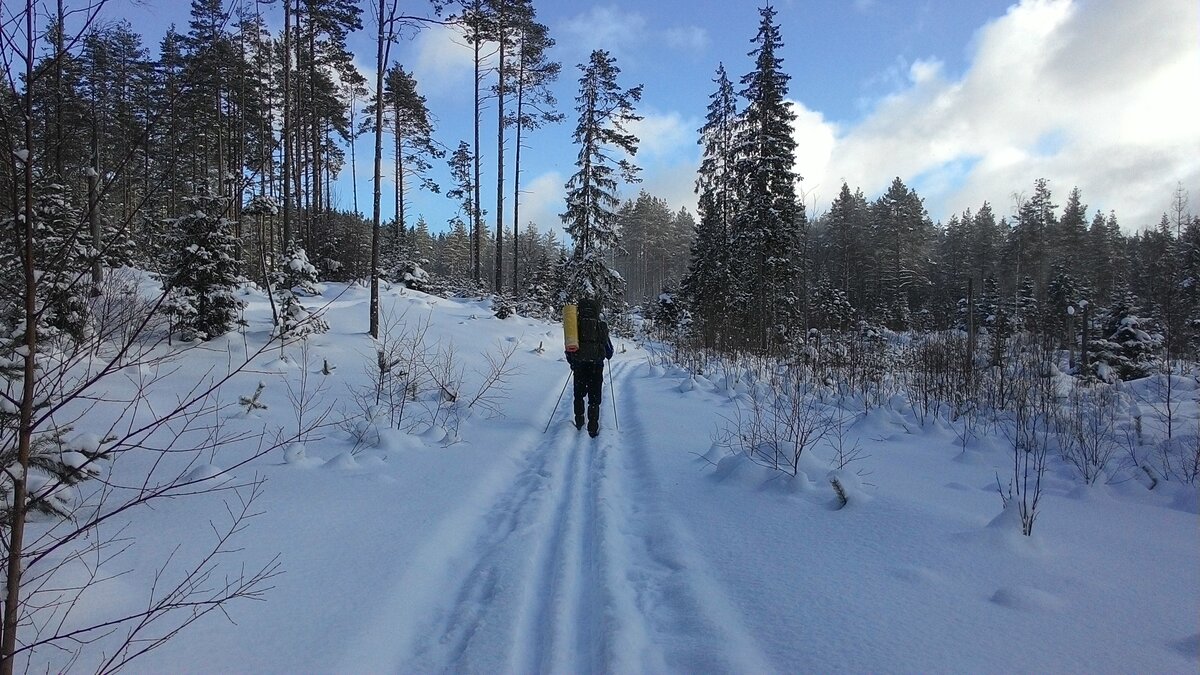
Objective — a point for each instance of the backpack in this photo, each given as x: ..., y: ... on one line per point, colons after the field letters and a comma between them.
x: 591, y: 345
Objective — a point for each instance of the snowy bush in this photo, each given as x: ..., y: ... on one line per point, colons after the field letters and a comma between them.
x: 297, y: 276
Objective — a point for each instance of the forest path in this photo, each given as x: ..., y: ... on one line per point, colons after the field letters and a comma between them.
x: 567, y: 560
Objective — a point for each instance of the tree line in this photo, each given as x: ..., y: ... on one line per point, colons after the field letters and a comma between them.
x: 763, y: 274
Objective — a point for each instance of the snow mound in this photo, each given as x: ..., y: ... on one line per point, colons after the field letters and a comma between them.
x: 342, y: 461
x: 297, y: 455
x: 1027, y: 599
x: 917, y: 575
x: 434, y: 434
x: 203, y: 472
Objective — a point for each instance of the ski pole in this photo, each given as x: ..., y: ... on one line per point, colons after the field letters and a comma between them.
x: 613, y: 392
x: 560, y: 395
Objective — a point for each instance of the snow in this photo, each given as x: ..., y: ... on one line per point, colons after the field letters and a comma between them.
x: 470, y: 542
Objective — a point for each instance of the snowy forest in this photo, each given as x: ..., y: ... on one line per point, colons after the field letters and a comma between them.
x: 157, y: 196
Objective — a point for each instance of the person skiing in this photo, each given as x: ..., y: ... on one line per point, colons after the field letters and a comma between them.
x: 587, y: 364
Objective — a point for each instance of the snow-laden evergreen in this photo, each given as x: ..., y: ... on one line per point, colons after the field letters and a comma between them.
x: 604, y: 108
x: 205, y: 271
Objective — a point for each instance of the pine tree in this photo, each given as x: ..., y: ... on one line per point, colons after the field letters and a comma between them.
x: 1032, y: 239
x: 205, y: 272
x: 765, y: 239
x: 604, y: 111
x: 534, y: 105
x: 463, y: 191
x: 1071, y: 237
x: 412, y: 135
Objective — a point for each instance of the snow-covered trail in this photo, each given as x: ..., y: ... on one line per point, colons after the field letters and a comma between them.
x: 566, y: 560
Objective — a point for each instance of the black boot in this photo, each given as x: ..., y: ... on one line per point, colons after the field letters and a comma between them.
x: 579, y: 421
x: 593, y: 421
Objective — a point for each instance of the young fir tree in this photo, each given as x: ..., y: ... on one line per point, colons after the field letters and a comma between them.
x: 708, y: 284
x: 1128, y: 344
x: 765, y: 243
x: 296, y: 277
x: 205, y: 270
x: 604, y: 111
x: 64, y: 254
x: 1028, y: 316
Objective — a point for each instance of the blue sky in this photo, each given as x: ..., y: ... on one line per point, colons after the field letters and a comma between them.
x: 965, y: 101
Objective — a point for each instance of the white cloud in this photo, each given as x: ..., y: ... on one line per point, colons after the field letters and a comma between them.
x: 815, y: 139
x: 691, y: 38
x: 1100, y: 95
x: 605, y: 28
x: 542, y: 201
x: 621, y: 32
x: 663, y: 134
x: 443, y: 62
x: 674, y: 184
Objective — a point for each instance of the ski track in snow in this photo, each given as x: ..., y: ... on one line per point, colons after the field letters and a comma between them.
x: 567, y: 561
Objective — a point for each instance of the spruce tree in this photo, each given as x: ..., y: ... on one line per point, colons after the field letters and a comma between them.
x: 765, y: 239
x: 604, y: 111
x: 849, y: 242
x: 708, y: 284
x: 205, y: 272
x: 902, y: 233
x: 296, y: 277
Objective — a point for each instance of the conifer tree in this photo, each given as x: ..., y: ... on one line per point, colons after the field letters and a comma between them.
x: 849, y: 241
x: 1127, y: 345
x: 296, y: 277
x: 765, y: 239
x: 902, y: 234
x: 205, y: 271
x: 708, y: 286
x: 534, y: 105
x: 412, y: 135
x: 590, y: 217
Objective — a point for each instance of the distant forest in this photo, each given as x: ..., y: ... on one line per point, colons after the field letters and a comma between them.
x: 110, y: 148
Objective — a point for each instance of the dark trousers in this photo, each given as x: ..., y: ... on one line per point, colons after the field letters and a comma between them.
x: 589, y: 381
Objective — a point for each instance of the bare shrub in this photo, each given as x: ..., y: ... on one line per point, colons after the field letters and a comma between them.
x: 777, y: 422
x: 1029, y: 435
x: 1086, y: 429
x: 413, y: 383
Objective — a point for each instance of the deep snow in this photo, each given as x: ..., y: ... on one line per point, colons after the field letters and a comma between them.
x: 496, y: 547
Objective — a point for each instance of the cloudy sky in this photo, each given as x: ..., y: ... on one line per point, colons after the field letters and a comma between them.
x: 965, y: 101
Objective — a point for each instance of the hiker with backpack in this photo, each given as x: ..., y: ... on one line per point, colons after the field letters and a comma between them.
x: 587, y: 363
